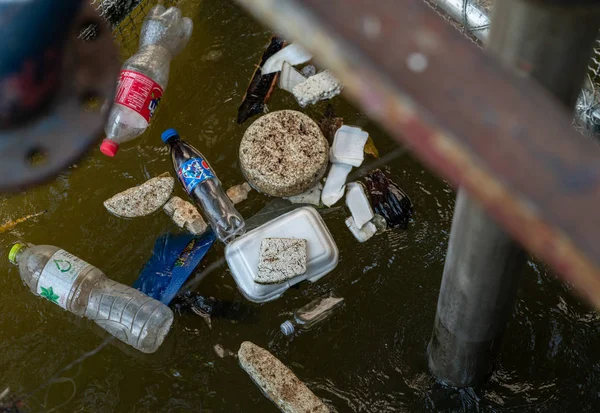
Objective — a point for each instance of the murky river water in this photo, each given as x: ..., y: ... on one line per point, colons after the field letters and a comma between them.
x: 370, y: 357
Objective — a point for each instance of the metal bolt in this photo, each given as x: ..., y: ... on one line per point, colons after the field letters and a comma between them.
x: 417, y: 62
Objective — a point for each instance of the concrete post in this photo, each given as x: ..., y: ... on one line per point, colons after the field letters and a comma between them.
x: 552, y: 43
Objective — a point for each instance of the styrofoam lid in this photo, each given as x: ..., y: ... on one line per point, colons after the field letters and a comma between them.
x: 348, y: 145
x: 305, y: 223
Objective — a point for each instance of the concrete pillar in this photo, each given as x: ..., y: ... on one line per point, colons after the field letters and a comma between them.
x: 550, y: 41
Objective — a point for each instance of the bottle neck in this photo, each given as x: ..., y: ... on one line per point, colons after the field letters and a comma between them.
x: 172, y: 140
x: 288, y: 327
x: 16, y: 251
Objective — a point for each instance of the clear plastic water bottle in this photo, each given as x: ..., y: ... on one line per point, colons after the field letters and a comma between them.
x: 311, y: 314
x: 144, y: 76
x: 84, y: 290
x: 203, y: 186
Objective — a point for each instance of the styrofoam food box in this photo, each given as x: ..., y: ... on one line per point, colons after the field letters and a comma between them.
x: 305, y: 223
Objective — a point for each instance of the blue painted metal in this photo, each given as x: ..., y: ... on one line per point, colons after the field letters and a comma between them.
x: 49, y: 77
x: 31, y: 50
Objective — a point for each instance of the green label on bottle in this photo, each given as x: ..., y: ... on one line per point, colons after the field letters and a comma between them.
x: 58, y: 276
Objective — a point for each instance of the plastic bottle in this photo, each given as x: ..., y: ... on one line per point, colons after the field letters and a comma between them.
x: 84, y: 290
x: 311, y: 314
x: 204, y: 188
x: 144, y: 76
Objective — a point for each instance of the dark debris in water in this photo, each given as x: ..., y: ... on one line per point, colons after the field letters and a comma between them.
x: 388, y: 199
x: 330, y: 123
x: 210, y: 307
x: 11, y: 404
x: 260, y: 87
x: 193, y: 301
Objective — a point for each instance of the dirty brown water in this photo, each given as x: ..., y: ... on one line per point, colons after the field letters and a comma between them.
x: 369, y: 357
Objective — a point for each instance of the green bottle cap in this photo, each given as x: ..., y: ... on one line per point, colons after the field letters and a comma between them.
x: 12, y: 255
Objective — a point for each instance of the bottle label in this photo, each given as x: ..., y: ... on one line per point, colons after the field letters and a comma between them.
x: 139, y: 93
x: 193, y: 172
x: 58, y: 276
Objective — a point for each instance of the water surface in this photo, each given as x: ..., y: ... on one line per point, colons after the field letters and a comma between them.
x: 370, y: 357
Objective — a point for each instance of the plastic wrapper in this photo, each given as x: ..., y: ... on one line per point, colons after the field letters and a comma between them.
x: 260, y: 87
x: 294, y: 54
x: 174, y: 258
x: 388, y: 199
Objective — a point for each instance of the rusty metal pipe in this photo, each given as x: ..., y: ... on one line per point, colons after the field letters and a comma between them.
x: 482, y: 271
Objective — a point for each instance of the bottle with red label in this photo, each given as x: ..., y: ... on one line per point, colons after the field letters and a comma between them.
x: 203, y: 186
x: 144, y: 76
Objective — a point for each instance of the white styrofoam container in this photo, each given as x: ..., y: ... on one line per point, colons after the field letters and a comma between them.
x: 358, y: 204
x: 305, y: 223
x: 361, y: 234
x: 349, y: 146
x: 335, y: 185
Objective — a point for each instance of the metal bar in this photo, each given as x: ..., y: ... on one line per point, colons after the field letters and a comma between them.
x: 479, y: 287
x: 482, y: 272
x: 476, y: 21
x: 470, y: 15
x: 502, y: 137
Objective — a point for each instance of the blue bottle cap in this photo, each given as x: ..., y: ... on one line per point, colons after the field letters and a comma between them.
x: 168, y: 134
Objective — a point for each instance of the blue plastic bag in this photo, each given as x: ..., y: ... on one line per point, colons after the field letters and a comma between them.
x: 174, y: 258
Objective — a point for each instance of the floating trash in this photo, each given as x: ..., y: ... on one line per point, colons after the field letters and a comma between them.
x: 10, y: 403
x: 289, y: 77
x: 239, y: 193
x: 361, y: 234
x: 277, y: 382
x: 200, y: 182
x: 308, y: 71
x: 349, y: 146
x: 280, y: 259
x: 283, y: 153
x: 388, y: 199
x: 11, y: 224
x: 335, y: 185
x: 305, y: 223
x: 311, y: 314
x: 197, y: 303
x: 330, y: 123
x: 312, y: 196
x: 371, y: 149
x: 174, y: 258
x: 379, y: 222
x: 185, y: 215
x: 294, y: 54
x: 84, y: 290
x: 144, y: 76
x: 143, y: 199
x: 219, y: 350
x: 321, y: 86
x: 358, y: 203
x: 209, y: 307
x: 261, y: 85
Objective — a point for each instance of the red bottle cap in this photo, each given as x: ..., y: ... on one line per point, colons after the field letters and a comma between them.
x: 109, y: 148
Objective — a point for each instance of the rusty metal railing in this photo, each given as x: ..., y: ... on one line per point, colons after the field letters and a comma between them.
x: 502, y: 137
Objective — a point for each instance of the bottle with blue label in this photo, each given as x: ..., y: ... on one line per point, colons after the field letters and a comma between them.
x: 204, y: 188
